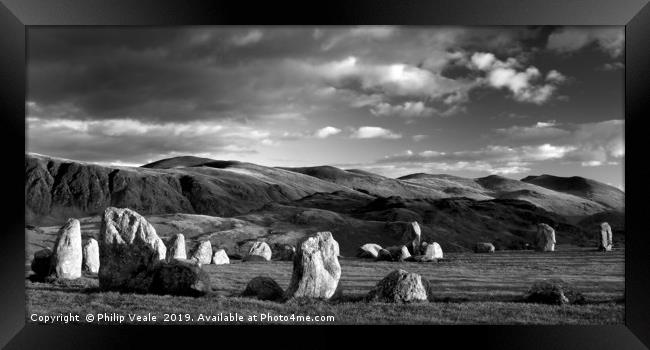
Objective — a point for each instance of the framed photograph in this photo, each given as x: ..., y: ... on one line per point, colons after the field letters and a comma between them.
x: 450, y: 168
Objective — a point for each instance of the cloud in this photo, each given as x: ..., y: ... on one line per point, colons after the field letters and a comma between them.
x: 133, y: 141
x: 395, y: 79
x: 570, y: 39
x: 408, y: 109
x: 355, y: 34
x: 326, y: 132
x: 372, y: 132
x: 250, y: 37
x: 613, y: 66
x: 537, y: 132
x: 418, y: 138
x: 522, y: 83
x: 588, y: 145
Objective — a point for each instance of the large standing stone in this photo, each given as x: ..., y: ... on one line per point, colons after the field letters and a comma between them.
x: 129, y: 249
x: 545, y: 241
x: 484, y: 247
x: 369, y: 250
x: 400, y: 286
x: 260, y: 249
x: 179, y: 277
x: 42, y: 262
x: 316, y: 269
x: 605, y: 237
x: 68, y: 256
x: 220, y: 257
x: 91, y: 256
x: 433, y: 251
x: 264, y: 288
x: 177, y: 247
x: 202, y: 253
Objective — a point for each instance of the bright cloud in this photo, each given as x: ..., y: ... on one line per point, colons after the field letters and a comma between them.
x: 408, y: 109
x: 373, y: 132
x: 326, y: 132
x: 524, y: 84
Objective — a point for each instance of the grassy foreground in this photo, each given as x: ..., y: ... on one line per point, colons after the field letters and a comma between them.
x: 469, y: 289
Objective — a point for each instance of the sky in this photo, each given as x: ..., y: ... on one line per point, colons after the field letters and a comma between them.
x: 467, y: 101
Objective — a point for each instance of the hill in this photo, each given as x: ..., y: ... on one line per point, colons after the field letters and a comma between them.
x: 606, y: 195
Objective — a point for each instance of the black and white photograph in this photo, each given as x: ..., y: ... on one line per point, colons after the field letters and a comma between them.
x: 325, y: 175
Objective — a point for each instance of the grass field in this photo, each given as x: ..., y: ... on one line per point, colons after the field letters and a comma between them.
x: 468, y: 288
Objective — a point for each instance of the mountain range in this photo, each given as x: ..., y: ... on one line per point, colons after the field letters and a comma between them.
x: 357, y: 206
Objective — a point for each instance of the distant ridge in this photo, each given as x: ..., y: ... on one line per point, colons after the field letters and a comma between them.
x: 593, y: 190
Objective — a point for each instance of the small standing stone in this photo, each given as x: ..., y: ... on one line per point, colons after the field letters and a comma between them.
x: 203, y: 253
x: 91, y: 256
x: 220, y: 257
x: 68, y: 256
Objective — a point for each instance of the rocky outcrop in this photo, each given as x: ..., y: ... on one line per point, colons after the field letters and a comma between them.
x: 177, y: 248
x: 369, y: 251
x: 264, y: 288
x: 605, y: 237
x: 220, y: 257
x: 316, y: 269
x: 545, y: 239
x: 202, y: 253
x: 259, y: 249
x: 68, y: 257
x: 179, y: 277
x: 129, y: 249
x: 91, y: 256
x: 484, y: 247
x: 400, y: 286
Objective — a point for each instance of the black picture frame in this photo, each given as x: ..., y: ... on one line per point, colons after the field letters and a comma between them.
x: 17, y: 15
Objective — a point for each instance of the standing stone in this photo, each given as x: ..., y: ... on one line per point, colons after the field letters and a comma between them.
x: 433, y: 251
x: 220, y: 257
x: 400, y: 286
x: 369, y: 250
x: 42, y: 262
x: 409, y: 234
x: 398, y: 253
x: 413, y: 235
x: 177, y: 247
x: 129, y: 249
x: 179, y: 277
x: 264, y: 288
x: 68, y: 256
x: 384, y: 255
x: 545, y: 238
x: 484, y: 247
x: 605, y: 237
x: 316, y: 269
x: 259, y: 249
x: 202, y: 253
x: 284, y: 252
x: 91, y: 256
